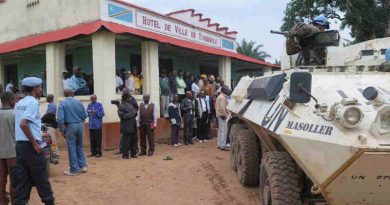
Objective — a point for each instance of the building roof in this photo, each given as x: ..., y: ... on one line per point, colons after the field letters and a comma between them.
x: 92, y: 27
x: 173, y: 17
x: 89, y: 28
x: 214, y: 27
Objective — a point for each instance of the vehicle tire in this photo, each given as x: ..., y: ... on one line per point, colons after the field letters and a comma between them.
x: 279, y: 180
x: 247, y: 158
x: 234, y: 130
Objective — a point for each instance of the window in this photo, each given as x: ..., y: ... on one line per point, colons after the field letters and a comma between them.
x: 166, y: 64
x: 11, y: 76
x: 367, y: 52
x: 204, y: 69
x: 135, y: 61
x: 136, y: 69
x: 69, y: 63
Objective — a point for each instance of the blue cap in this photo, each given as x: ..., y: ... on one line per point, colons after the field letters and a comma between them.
x: 31, y: 81
x: 321, y: 20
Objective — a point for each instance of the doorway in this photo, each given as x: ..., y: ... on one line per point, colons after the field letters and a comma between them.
x: 166, y: 64
x: 209, y: 70
x: 11, y: 73
x: 136, y: 61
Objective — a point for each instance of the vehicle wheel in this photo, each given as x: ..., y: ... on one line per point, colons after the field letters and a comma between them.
x: 279, y: 180
x: 233, y: 136
x: 247, y: 158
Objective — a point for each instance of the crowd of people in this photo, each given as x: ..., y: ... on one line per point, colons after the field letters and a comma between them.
x: 129, y: 80
x: 186, y: 102
x: 78, y: 81
x: 192, y: 103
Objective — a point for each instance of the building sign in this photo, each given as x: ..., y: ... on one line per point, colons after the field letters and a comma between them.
x: 133, y: 17
x: 161, y: 25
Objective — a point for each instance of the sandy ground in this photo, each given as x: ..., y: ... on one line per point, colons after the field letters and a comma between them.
x: 198, y: 174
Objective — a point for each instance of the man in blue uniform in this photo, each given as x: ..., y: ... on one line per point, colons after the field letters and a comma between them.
x: 30, y: 169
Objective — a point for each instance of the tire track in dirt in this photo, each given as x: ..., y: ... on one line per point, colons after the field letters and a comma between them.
x: 219, y: 185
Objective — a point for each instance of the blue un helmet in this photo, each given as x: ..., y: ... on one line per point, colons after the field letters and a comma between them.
x: 321, y: 20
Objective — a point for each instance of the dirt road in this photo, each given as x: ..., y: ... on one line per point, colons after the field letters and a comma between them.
x: 198, y: 174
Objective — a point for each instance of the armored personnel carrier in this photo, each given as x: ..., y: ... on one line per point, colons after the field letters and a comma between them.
x: 316, y: 134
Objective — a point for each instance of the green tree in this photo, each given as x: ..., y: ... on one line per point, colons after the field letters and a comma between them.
x: 252, y: 50
x: 368, y: 19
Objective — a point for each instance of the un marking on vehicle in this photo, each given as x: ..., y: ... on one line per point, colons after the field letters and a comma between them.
x: 383, y: 177
x: 363, y: 177
x: 275, y: 116
x: 358, y: 177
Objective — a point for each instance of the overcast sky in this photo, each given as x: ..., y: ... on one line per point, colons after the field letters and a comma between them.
x: 253, y: 19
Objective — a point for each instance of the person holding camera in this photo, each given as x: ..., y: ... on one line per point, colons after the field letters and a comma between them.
x: 146, y: 122
x: 127, y: 113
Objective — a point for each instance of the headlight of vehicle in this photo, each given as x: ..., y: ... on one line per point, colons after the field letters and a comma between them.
x: 347, y: 113
x: 381, y: 126
x: 352, y: 117
x: 385, y: 119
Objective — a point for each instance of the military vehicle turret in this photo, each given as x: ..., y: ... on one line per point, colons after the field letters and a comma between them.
x: 316, y: 134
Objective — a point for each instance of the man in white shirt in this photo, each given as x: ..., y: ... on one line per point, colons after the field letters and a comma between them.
x: 65, y: 80
x: 10, y: 87
x: 204, y: 113
x: 195, y: 88
x: 129, y: 83
x: 146, y: 122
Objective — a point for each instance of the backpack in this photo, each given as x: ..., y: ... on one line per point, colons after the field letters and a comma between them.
x: 297, y: 32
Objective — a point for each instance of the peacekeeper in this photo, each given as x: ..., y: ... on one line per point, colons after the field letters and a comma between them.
x: 302, y: 31
x: 30, y: 166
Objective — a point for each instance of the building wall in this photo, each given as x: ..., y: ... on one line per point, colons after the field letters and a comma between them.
x: 122, y: 55
x: 21, y: 21
x: 188, y: 63
x: 235, y: 76
x: 82, y: 57
x: 31, y: 66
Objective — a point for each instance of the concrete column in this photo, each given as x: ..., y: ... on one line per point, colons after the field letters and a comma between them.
x: 225, y: 69
x: 150, y: 70
x: 103, y: 49
x: 55, y: 64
